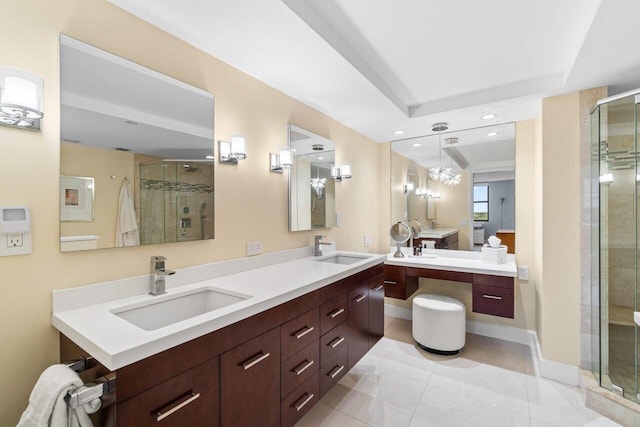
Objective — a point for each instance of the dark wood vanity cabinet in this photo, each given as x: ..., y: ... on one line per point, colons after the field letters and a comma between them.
x: 266, y: 370
x: 188, y: 399
x: 250, y: 382
x: 397, y: 284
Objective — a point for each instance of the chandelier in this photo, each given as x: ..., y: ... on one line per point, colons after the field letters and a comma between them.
x: 318, y: 184
x: 440, y: 173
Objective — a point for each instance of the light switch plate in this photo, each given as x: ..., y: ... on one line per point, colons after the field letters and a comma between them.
x: 523, y: 273
x: 254, y: 248
x: 366, y: 241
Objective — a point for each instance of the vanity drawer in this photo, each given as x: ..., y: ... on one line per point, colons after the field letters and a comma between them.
x: 331, y: 371
x: 397, y: 284
x: 332, y: 343
x: 188, y: 399
x: 296, y: 369
x: 496, y: 281
x: 300, y: 401
x: 493, y: 300
x: 299, y: 333
x: 332, y: 313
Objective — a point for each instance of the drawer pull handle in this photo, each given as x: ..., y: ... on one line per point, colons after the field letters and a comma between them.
x: 336, y: 342
x: 303, y: 401
x: 161, y: 415
x: 359, y: 298
x: 378, y: 288
x: 491, y: 296
x: 254, y: 360
x: 335, y: 371
x: 303, y: 366
x: 335, y: 313
x: 302, y: 332
x: 390, y: 282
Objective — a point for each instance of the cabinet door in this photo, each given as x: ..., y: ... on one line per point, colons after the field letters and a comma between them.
x: 250, y: 382
x: 188, y: 399
x: 358, y: 342
x: 376, y: 310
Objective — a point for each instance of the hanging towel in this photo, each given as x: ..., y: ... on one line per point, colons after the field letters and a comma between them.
x: 47, y: 407
x: 126, y: 225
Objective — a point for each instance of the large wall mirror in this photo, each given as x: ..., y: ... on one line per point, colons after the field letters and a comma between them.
x: 144, y: 141
x: 481, y: 204
x: 311, y: 189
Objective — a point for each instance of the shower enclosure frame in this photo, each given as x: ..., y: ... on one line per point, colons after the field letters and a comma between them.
x: 615, y: 270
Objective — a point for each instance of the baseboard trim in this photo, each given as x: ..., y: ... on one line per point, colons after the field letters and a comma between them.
x: 550, y: 369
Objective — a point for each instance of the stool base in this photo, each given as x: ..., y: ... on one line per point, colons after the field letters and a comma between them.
x: 439, y: 352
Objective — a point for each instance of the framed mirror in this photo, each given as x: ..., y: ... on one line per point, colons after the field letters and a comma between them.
x: 483, y: 157
x: 146, y: 140
x: 311, y: 188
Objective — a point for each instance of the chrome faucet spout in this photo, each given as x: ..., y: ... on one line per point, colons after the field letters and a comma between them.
x: 157, y: 274
x: 317, y: 246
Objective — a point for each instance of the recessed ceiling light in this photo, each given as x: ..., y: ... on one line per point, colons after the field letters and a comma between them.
x: 399, y: 132
x: 320, y: 158
x: 416, y: 144
x: 488, y: 117
x: 209, y: 157
x: 492, y: 134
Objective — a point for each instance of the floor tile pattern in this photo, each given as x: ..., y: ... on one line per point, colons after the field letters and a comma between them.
x: 490, y: 383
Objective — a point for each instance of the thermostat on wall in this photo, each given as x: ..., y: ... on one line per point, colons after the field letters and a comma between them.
x: 15, y: 230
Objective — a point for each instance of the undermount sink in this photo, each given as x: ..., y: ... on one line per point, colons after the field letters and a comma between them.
x: 342, y: 259
x: 166, y: 311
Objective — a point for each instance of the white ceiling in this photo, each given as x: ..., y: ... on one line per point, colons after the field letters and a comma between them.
x: 379, y: 66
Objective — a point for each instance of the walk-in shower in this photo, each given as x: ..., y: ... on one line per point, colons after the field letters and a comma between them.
x: 176, y: 201
x: 614, y: 249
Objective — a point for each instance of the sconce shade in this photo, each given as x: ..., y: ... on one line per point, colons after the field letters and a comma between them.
x: 342, y: 172
x: 20, y: 98
x: 285, y: 157
x: 238, y: 147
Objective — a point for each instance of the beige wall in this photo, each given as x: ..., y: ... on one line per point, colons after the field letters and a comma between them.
x: 560, y: 239
x: 251, y: 203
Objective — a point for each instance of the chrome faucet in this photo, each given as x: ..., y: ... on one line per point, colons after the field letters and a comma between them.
x: 318, y: 243
x: 157, y: 274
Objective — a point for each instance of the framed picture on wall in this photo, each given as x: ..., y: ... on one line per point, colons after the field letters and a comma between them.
x: 76, y: 198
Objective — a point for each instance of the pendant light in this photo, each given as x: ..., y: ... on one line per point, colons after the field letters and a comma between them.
x: 318, y: 184
x: 452, y: 178
x: 439, y: 173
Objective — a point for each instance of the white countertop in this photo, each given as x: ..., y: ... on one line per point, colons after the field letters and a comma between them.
x: 84, y: 314
x: 438, y: 233
x: 452, y: 260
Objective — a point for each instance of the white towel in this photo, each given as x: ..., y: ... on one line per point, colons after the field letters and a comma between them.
x: 126, y: 224
x: 47, y: 407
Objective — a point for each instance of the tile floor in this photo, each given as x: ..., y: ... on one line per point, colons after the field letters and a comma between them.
x: 490, y: 383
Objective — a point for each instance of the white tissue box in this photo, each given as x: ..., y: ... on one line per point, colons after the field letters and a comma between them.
x: 494, y: 255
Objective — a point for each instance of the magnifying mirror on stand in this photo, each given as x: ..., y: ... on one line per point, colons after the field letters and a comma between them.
x: 400, y: 233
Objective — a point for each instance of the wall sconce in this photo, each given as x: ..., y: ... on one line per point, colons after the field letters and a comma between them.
x: 20, y: 99
x: 281, y: 161
x: 342, y: 172
x: 233, y: 150
x: 606, y: 178
x: 406, y: 188
x: 423, y: 192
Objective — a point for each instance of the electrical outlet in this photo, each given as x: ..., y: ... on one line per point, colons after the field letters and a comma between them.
x: 366, y: 241
x: 14, y: 241
x: 464, y: 222
x: 523, y: 273
x: 338, y: 219
x: 254, y: 248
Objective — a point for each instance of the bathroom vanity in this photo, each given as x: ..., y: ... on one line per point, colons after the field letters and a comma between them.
x: 443, y: 238
x: 492, y: 284
x: 262, y: 360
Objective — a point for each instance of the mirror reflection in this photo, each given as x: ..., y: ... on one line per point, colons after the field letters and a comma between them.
x: 311, y: 188
x: 451, y: 214
x: 146, y: 142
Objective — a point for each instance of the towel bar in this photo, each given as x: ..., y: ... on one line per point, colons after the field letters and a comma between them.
x: 90, y: 391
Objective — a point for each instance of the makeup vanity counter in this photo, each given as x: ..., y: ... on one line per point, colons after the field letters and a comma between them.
x: 492, y: 284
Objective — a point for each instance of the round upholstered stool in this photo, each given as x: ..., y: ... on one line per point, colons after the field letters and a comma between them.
x: 439, y: 323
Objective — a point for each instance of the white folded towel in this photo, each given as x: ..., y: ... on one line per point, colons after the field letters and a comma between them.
x: 47, y: 407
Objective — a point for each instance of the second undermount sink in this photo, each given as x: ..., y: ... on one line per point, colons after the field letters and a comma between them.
x: 342, y: 259
x: 166, y: 311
